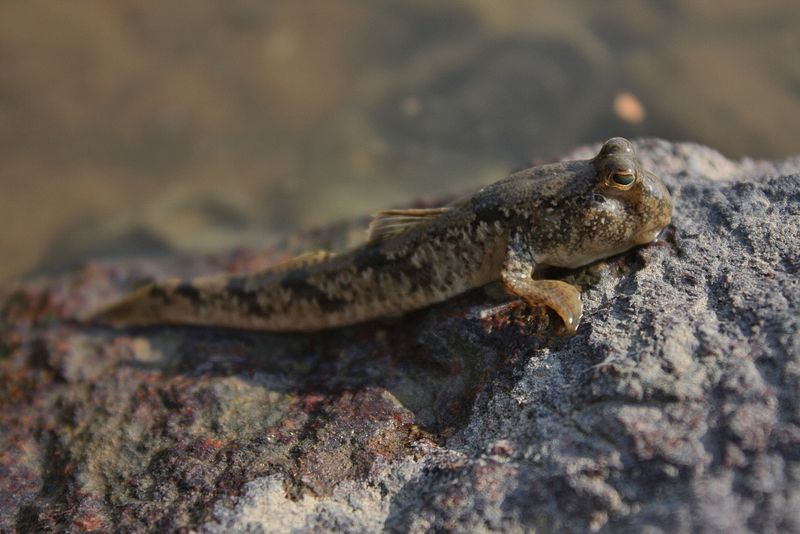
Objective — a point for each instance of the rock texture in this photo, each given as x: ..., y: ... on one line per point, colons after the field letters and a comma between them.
x: 675, y: 408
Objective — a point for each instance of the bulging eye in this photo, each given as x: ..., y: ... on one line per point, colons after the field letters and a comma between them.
x: 623, y: 179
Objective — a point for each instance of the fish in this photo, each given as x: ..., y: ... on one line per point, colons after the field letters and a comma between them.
x: 565, y: 214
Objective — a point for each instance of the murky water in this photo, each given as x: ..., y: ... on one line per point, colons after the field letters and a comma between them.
x: 143, y: 126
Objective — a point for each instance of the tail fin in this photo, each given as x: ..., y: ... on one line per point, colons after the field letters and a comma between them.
x: 137, y: 308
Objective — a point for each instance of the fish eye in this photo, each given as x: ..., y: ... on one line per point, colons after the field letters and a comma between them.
x: 623, y: 180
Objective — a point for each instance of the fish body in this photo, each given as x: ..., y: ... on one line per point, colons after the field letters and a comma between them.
x: 563, y: 214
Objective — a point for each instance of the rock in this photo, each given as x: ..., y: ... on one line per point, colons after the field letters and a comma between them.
x: 676, y: 407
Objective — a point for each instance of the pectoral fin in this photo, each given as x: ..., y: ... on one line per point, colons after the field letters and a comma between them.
x: 517, y: 278
x: 561, y: 297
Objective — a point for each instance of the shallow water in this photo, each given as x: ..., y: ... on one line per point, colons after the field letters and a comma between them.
x: 140, y: 127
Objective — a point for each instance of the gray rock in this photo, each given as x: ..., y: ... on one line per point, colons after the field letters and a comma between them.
x: 675, y: 408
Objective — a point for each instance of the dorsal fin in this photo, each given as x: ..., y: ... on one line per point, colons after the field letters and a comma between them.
x: 389, y: 223
x: 303, y: 260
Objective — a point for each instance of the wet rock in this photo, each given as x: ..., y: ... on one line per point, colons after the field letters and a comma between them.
x: 675, y: 407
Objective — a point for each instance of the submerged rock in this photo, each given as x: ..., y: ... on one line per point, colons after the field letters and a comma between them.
x: 676, y: 406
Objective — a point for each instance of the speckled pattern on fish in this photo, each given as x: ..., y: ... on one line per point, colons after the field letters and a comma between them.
x: 562, y: 215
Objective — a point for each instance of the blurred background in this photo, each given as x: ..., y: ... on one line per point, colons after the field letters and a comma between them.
x: 143, y: 127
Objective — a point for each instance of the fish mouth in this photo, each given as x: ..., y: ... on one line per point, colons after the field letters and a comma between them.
x: 650, y: 234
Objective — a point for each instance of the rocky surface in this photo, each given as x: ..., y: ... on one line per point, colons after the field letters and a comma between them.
x: 675, y: 408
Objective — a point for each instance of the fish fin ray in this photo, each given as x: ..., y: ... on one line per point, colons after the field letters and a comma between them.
x: 389, y: 223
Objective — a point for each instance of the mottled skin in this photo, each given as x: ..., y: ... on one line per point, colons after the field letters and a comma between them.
x: 564, y: 214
